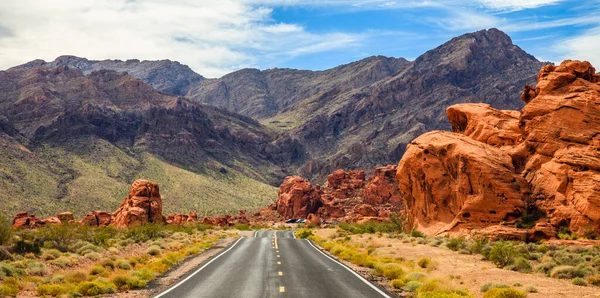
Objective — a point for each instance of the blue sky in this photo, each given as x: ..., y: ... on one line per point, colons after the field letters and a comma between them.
x: 217, y: 37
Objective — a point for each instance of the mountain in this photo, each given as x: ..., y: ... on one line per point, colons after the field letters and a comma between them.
x: 167, y: 76
x: 263, y: 94
x: 71, y: 141
x: 370, y: 126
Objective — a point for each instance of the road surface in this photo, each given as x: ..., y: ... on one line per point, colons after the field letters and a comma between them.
x: 273, y: 264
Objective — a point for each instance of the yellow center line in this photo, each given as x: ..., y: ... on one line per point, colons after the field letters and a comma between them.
x: 275, y: 239
x: 281, y: 289
x: 280, y: 273
x: 278, y: 263
x: 278, y: 256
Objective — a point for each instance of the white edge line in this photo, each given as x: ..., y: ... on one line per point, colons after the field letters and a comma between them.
x: 294, y: 234
x: 196, y: 272
x: 255, y: 233
x: 352, y: 271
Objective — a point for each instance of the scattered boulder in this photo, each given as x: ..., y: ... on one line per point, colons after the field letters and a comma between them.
x: 66, y: 217
x: 313, y: 219
x: 143, y: 205
x: 52, y: 221
x: 297, y: 198
x: 23, y: 220
x: 97, y: 219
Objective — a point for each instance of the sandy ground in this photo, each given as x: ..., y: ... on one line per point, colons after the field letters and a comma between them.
x: 470, y: 271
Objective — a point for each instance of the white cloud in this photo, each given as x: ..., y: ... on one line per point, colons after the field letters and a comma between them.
x: 212, y: 37
x: 466, y: 20
x: 582, y: 47
x: 513, y: 5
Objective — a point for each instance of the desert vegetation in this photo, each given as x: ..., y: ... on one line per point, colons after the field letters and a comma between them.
x: 72, y: 260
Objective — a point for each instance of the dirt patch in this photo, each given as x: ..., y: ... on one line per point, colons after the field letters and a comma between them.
x: 468, y: 271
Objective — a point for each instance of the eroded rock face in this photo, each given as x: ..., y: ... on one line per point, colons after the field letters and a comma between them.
x: 97, y: 219
x: 450, y: 181
x: 548, y: 161
x: 382, y: 187
x: 23, y: 220
x: 143, y: 205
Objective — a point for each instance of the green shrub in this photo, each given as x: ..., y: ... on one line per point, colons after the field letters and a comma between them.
x: 389, y: 270
x: 456, y: 244
x: 522, y: 265
x: 153, y: 250
x: 304, y: 233
x: 243, y: 227
x: 424, y: 262
x: 94, y: 288
x: 5, y: 230
x: 492, y: 285
x: 126, y: 282
x: 62, y: 262
x: 415, y: 276
x: 593, y: 280
x: 76, y: 277
x: 22, y: 246
x: 93, y: 256
x: 478, y: 244
x: 412, y: 286
x: 124, y: 264
x: 97, y: 270
x: 502, y: 253
x: 531, y: 289
x: 578, y: 281
x: 108, y: 264
x: 50, y: 254
x: 52, y: 290
x: 444, y: 294
x: 9, y: 287
x: 504, y: 293
x: 397, y: 283
x: 545, y: 267
x: 566, y: 271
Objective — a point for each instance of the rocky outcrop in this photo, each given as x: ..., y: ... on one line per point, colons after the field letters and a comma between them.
x: 297, y: 198
x: 97, y: 219
x: 313, y: 219
x: 143, y: 205
x: 23, y: 220
x: 347, y: 196
x: 498, y: 165
x: 66, y: 217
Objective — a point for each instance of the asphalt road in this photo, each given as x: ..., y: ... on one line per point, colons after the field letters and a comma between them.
x: 273, y: 264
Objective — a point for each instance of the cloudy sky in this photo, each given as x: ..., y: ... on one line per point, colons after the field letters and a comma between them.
x: 215, y: 37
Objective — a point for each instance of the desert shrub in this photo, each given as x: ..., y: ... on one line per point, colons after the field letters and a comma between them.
x: 304, y: 233
x: 456, y: 244
x: 146, y: 232
x: 108, y: 264
x: 87, y: 248
x: 397, y: 283
x: 522, y: 265
x: 424, y: 262
x: 412, y: 286
x: 545, y: 267
x: 124, y: 264
x: 529, y: 218
x: 417, y: 234
x: 531, y: 289
x: 415, y: 276
x: 504, y: 293
x: 593, y: 280
x: 50, y: 254
x: 492, y: 285
x: 103, y: 236
x: 566, y: 271
x: 370, y: 227
x: 76, y: 277
x: 444, y: 294
x: 153, y: 250
x: 37, y: 269
x: 502, y: 253
x: 578, y: 281
x: 94, y: 288
x: 243, y: 227
x: 144, y: 274
x: 9, y: 287
x: 362, y: 259
x: 5, y: 230
x: 389, y: 270
x: 7, y: 269
x: 479, y: 242
x: 93, y: 256
x: 22, y: 246
x: 52, y: 290
x: 126, y: 282
x: 62, y: 262
x: 566, y: 258
x: 97, y: 270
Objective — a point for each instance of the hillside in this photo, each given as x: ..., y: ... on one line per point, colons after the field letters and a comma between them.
x: 73, y: 142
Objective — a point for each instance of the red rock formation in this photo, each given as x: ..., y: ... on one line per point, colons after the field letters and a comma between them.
x: 23, y: 220
x: 550, y: 148
x: 192, y: 217
x: 346, y: 196
x: 297, y: 198
x: 97, y: 219
x: 382, y: 187
x: 143, y: 205
x: 66, y: 217
x: 313, y: 219
x: 52, y: 221
x: 450, y: 181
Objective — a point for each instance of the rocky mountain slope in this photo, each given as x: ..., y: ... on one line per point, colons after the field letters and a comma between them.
x: 370, y: 126
x: 528, y: 174
x: 167, y: 76
x: 70, y: 141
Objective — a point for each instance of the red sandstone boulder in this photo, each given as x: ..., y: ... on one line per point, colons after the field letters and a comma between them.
x: 143, y: 205
x: 66, y: 217
x: 450, y: 182
x: 297, y: 198
x: 52, y: 221
x: 23, y: 220
x: 192, y: 217
x: 97, y: 219
x: 207, y: 220
x: 382, y: 187
x: 366, y: 210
